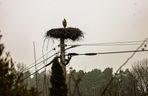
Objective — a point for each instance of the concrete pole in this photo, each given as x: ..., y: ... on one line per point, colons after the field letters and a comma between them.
x: 62, y: 48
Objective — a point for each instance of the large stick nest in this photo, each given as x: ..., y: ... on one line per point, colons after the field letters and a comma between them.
x: 66, y: 33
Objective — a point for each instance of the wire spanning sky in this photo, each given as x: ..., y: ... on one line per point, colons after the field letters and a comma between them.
x: 25, y: 21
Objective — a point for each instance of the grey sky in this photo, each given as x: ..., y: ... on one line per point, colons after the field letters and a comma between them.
x: 25, y: 21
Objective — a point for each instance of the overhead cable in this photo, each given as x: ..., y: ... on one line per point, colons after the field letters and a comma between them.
x: 38, y: 70
x: 108, y: 43
x: 37, y: 61
x: 101, y: 53
x: 40, y: 62
x: 26, y: 69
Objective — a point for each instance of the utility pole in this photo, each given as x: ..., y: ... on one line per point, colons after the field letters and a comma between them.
x: 62, y: 55
x: 62, y: 49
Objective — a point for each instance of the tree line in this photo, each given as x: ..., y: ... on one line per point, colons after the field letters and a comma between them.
x: 133, y: 82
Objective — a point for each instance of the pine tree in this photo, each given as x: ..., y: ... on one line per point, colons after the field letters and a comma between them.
x: 57, y: 80
x: 11, y: 80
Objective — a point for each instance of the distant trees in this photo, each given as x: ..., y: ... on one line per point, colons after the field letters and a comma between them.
x: 122, y: 85
x: 132, y: 82
x: 11, y: 80
x: 126, y: 83
x: 90, y: 83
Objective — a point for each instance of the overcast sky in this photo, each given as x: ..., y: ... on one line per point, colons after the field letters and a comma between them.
x: 25, y: 21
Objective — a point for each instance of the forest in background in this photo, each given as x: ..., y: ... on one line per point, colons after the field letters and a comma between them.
x: 132, y: 82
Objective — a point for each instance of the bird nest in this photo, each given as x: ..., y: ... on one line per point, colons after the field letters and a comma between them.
x: 65, y: 33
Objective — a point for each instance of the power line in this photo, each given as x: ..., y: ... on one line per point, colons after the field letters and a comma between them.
x: 109, y: 43
x: 37, y: 70
x: 44, y: 55
x: 125, y: 44
x: 33, y: 64
x: 41, y: 61
x: 92, y: 44
x: 101, y: 53
x: 48, y: 58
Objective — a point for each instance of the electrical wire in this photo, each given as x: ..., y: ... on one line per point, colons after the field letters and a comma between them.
x: 88, y: 54
x: 92, y: 44
x: 32, y: 65
x: 109, y: 43
x: 38, y: 60
x: 47, y: 58
x: 37, y: 70
x: 101, y: 53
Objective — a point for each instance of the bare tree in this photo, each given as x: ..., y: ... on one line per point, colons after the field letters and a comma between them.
x: 140, y: 72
